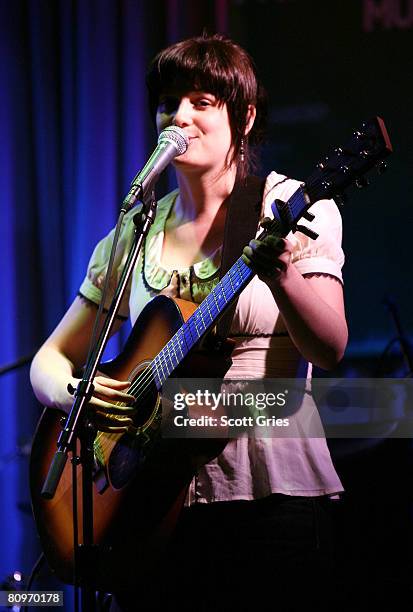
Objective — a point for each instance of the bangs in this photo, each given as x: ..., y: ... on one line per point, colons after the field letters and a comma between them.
x: 197, y: 69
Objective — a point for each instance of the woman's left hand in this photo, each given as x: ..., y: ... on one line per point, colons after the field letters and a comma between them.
x: 270, y: 258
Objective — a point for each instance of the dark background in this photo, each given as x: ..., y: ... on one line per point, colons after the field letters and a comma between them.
x: 74, y: 129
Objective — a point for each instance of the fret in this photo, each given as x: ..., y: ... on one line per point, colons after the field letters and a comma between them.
x: 171, y: 354
x: 193, y: 320
x: 165, y: 362
x: 207, y: 305
x: 191, y: 335
x: 168, y: 360
x: 155, y: 373
x: 222, y: 299
x: 173, y: 344
x: 244, y: 270
x: 201, y: 315
x: 159, y: 366
x: 226, y: 286
x: 234, y: 278
x: 164, y: 356
x: 183, y: 347
x: 205, y: 313
x: 215, y: 299
x: 197, y: 318
x: 230, y: 282
x: 188, y: 337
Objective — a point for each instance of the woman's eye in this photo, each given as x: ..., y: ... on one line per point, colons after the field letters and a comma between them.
x: 167, y: 105
x: 203, y: 102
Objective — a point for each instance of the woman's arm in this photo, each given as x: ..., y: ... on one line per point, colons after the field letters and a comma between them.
x: 64, y: 353
x: 312, y: 307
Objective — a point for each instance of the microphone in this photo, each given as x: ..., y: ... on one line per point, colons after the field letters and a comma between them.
x: 172, y: 141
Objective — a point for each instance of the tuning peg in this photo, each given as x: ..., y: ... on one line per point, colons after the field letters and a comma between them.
x: 326, y: 185
x: 309, y: 216
x: 381, y: 167
x: 307, y: 231
x: 362, y: 182
x: 323, y: 164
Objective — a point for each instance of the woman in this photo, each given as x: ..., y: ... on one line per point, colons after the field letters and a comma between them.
x: 261, y: 499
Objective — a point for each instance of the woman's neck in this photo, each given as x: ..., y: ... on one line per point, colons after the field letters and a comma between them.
x: 201, y: 197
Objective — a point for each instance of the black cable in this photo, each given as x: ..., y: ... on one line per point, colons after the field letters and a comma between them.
x: 22, y: 361
x: 35, y: 570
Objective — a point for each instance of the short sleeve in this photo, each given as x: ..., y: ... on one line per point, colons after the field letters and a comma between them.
x: 323, y: 255
x: 92, y: 285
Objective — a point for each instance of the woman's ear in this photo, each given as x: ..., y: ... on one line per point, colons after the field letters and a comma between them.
x: 251, y: 114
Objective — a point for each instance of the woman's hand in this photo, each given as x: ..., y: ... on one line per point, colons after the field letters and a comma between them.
x: 270, y: 257
x: 112, y: 405
x: 65, y: 353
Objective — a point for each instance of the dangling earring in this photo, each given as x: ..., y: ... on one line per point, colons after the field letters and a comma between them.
x: 242, y: 152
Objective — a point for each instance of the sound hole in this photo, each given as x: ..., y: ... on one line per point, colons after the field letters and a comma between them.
x: 125, y: 460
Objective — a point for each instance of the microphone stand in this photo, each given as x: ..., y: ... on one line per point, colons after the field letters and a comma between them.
x: 401, y: 337
x: 80, y: 424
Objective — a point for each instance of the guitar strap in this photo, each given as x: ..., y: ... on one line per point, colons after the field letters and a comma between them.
x: 244, y: 208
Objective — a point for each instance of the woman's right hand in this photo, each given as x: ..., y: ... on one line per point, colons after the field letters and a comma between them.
x: 64, y: 353
x: 112, y: 404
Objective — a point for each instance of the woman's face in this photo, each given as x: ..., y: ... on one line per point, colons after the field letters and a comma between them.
x: 205, y: 121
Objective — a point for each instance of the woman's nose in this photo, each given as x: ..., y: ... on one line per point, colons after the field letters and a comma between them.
x: 183, y: 113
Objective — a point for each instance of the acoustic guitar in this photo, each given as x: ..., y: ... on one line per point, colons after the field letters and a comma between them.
x: 141, y: 477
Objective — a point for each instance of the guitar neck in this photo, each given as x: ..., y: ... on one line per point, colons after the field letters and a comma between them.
x: 221, y: 297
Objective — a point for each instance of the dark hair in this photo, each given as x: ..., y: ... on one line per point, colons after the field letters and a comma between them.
x: 217, y: 65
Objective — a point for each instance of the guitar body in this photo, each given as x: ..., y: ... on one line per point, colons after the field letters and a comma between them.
x: 140, y: 489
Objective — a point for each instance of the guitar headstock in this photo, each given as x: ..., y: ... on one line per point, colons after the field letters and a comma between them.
x: 348, y: 164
